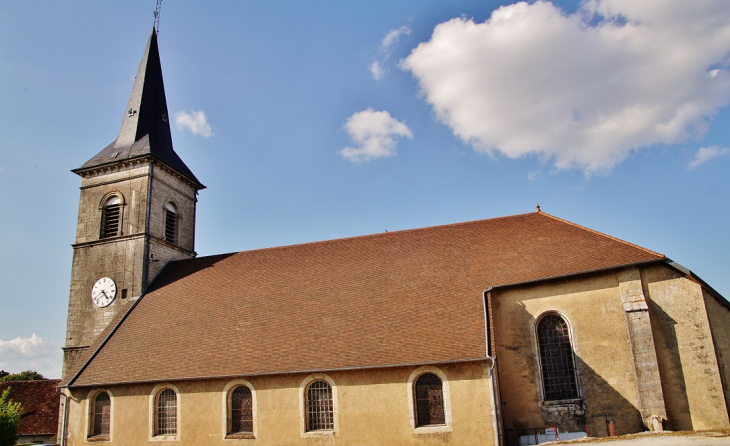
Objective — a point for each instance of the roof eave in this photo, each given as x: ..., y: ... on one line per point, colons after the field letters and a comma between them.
x: 573, y: 274
x: 282, y: 372
x: 81, y: 170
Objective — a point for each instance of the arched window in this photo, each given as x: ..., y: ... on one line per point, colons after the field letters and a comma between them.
x: 241, y: 410
x: 170, y: 223
x: 111, y: 217
x: 556, y: 359
x: 429, y: 399
x: 101, y: 415
x: 166, y: 413
x: 320, y: 409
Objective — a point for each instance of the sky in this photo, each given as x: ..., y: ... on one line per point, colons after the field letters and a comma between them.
x: 318, y: 120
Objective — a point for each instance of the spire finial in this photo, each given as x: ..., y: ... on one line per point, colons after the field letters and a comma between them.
x: 538, y: 207
x: 157, y: 16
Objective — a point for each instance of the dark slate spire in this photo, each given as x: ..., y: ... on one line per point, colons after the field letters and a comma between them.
x: 146, y: 124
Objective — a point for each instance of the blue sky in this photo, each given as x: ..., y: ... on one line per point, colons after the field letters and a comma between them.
x: 317, y: 120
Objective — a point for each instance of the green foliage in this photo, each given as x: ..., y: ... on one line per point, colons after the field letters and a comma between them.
x: 28, y: 375
x: 3, y: 373
x: 10, y: 414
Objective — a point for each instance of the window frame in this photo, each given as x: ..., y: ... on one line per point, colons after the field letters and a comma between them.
x: 176, y: 219
x: 103, y: 204
x: 538, y: 361
x: 412, y: 408
x: 227, y: 412
x: 91, y: 416
x: 154, y: 395
x: 304, y: 406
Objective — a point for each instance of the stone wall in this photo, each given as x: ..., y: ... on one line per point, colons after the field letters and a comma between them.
x: 133, y: 257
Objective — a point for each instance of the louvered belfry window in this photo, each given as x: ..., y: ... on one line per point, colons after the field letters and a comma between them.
x: 170, y: 223
x: 429, y: 400
x: 241, y: 411
x: 102, y: 415
x: 111, y: 217
x: 166, y: 413
x: 556, y: 359
x: 320, y: 409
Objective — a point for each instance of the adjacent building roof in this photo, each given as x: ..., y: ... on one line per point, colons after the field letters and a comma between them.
x: 405, y: 297
x: 40, y: 405
x: 146, y: 125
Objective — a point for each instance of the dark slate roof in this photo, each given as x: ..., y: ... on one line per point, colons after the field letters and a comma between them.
x: 40, y: 405
x: 146, y: 125
x: 405, y: 297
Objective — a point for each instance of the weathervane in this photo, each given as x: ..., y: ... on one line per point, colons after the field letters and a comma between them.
x: 157, y: 16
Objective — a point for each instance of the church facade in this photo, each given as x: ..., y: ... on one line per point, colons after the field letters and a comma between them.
x: 499, y: 331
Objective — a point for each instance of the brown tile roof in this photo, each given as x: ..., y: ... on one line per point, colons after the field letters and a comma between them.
x: 402, y: 297
x: 40, y: 405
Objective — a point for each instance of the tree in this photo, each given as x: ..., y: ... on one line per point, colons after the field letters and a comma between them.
x: 3, y: 373
x: 28, y: 375
x: 10, y: 414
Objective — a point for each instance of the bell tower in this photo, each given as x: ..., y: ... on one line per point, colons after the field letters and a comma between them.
x: 136, y: 212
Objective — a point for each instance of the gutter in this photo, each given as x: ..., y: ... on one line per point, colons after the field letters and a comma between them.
x: 497, y: 424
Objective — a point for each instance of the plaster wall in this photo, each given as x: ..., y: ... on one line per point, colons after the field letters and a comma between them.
x: 719, y: 317
x: 691, y: 382
x: 371, y: 407
x: 592, y: 307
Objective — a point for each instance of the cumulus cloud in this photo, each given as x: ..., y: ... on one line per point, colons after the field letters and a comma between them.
x: 376, y: 70
x: 580, y: 90
x: 705, y: 154
x: 31, y: 353
x: 194, y: 122
x: 374, y: 134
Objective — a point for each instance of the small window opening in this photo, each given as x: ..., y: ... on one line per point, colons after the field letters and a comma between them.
x: 429, y: 400
x: 170, y: 223
x: 556, y: 359
x: 241, y: 411
x: 111, y: 217
x: 124, y: 293
x: 101, y: 416
x: 320, y: 409
x: 166, y: 413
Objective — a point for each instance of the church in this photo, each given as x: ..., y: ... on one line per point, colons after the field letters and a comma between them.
x: 505, y: 331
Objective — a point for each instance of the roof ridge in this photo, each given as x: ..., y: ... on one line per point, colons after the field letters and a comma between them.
x: 603, y: 234
x: 377, y: 234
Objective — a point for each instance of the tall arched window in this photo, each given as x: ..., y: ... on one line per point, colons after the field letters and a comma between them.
x: 556, y: 359
x: 101, y: 415
x: 320, y: 409
x: 166, y: 413
x: 170, y: 223
x: 429, y: 399
x: 241, y: 419
x: 111, y: 217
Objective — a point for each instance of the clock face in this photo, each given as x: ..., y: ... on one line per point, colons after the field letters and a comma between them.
x: 103, y: 292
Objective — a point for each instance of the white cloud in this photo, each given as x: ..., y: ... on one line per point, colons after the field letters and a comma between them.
x: 195, y: 122
x: 705, y: 154
x: 374, y: 133
x: 376, y: 70
x: 31, y: 353
x: 393, y: 36
x: 386, y: 47
x: 581, y: 90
